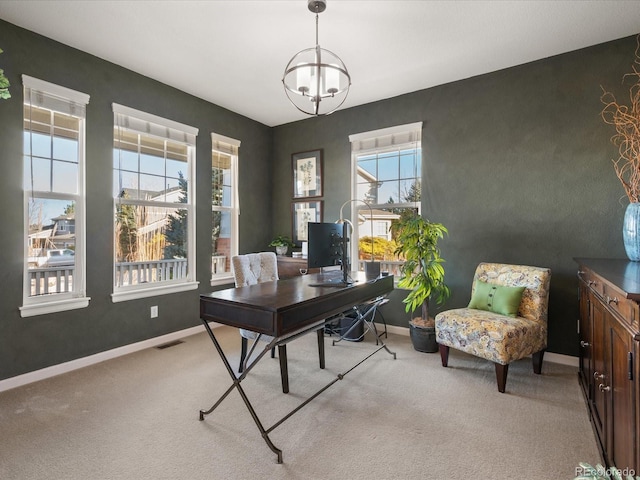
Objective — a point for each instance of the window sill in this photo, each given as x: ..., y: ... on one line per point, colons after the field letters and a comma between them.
x: 222, y: 280
x: 146, y: 292
x: 54, y: 306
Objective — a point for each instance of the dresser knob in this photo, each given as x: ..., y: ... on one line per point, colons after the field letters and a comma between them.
x: 604, y: 388
x: 598, y: 376
x: 584, y: 344
x: 612, y: 300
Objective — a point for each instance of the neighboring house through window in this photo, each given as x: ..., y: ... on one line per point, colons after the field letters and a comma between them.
x: 386, y: 175
x: 224, y: 206
x: 154, y: 202
x: 54, y: 198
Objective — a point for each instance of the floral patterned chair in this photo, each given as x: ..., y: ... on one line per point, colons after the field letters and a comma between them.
x: 505, y: 321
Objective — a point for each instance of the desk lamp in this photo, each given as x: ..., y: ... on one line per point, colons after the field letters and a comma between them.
x: 371, y: 268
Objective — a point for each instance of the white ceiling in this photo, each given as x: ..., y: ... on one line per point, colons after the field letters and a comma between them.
x: 233, y: 53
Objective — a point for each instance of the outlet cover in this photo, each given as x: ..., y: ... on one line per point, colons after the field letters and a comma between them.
x: 154, y: 311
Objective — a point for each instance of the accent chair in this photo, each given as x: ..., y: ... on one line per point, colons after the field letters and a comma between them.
x: 505, y: 321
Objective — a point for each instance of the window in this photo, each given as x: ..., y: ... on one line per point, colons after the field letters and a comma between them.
x: 54, y: 198
x: 224, y: 206
x: 386, y: 179
x: 154, y: 205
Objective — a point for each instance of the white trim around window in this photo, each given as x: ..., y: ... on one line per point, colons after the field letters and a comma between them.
x: 222, y: 145
x: 154, y: 191
x: 54, y: 128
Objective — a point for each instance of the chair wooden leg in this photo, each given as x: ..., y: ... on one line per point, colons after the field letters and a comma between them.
x: 501, y: 376
x: 537, y: 361
x: 284, y: 369
x: 321, y: 346
x: 243, y: 353
x: 444, y: 354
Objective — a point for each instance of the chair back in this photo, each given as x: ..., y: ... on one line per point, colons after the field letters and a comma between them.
x: 535, y: 298
x: 254, y: 268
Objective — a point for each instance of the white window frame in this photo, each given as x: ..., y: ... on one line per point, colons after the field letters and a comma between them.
x: 152, y: 125
x: 229, y: 146
x: 372, y: 142
x: 63, y: 100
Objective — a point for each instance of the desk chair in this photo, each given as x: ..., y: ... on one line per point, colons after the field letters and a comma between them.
x: 505, y: 321
x: 251, y: 269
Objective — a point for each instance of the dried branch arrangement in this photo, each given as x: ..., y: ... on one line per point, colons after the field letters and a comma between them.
x: 626, y: 120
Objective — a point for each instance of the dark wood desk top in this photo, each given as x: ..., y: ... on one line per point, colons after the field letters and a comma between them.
x: 279, y: 308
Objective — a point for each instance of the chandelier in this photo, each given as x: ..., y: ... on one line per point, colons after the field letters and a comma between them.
x: 315, y: 80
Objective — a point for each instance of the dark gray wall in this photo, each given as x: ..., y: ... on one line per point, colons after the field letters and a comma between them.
x: 28, y: 344
x: 516, y: 163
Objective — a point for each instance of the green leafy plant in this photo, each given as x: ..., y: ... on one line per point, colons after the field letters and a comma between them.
x: 281, y: 241
x: 4, y: 85
x: 587, y: 472
x: 422, y: 271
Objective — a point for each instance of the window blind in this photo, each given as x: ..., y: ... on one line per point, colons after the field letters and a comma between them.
x: 54, y: 97
x: 130, y: 119
x: 386, y: 138
x: 223, y: 144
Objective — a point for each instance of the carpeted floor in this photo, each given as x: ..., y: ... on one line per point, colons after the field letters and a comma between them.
x: 136, y: 417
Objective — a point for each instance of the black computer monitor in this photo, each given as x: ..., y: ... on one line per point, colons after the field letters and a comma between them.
x: 326, y: 244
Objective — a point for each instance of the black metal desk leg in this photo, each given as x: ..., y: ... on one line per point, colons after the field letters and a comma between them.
x: 320, y: 333
x: 243, y: 395
x: 284, y: 369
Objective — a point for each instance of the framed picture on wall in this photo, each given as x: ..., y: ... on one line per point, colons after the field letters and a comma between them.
x: 303, y: 213
x: 307, y: 174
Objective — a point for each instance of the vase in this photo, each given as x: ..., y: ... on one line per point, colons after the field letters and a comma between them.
x: 631, y: 231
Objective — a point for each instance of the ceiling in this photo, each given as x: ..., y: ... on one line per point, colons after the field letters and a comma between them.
x: 233, y: 53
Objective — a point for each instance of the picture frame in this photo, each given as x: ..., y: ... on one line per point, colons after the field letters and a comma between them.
x: 307, y: 174
x: 303, y: 213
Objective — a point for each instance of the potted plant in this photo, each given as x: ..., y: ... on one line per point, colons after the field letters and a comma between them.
x: 422, y: 273
x: 282, y: 244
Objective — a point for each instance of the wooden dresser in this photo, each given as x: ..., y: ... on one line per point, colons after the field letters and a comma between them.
x: 609, y: 296
x: 290, y: 267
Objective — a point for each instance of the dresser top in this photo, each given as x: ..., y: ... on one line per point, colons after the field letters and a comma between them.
x: 620, y: 272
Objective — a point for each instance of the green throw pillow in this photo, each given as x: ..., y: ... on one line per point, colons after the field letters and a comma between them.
x: 496, y: 298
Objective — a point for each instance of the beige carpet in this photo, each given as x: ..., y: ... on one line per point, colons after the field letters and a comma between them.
x: 136, y: 417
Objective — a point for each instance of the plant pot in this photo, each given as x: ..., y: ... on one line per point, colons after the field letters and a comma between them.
x: 423, y: 338
x: 282, y: 250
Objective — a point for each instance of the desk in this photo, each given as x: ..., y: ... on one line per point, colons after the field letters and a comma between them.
x: 284, y: 310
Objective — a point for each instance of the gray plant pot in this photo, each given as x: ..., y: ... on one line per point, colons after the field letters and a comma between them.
x: 423, y: 338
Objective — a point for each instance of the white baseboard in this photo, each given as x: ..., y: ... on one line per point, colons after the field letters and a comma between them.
x: 548, y: 356
x: 61, y: 368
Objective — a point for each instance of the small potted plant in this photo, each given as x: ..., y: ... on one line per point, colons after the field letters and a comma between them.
x: 422, y: 273
x: 282, y: 244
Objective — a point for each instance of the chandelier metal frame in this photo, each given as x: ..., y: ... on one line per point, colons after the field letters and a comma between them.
x: 328, y: 75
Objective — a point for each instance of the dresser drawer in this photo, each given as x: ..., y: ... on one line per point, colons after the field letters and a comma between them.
x: 593, y: 281
x: 627, y: 310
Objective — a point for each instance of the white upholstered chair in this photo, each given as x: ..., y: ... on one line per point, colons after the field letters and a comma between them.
x: 505, y: 321
x: 251, y: 269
